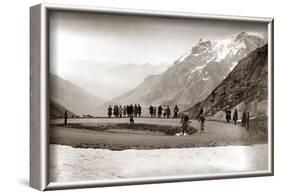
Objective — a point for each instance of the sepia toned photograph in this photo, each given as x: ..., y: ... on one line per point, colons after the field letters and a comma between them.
x: 139, y: 97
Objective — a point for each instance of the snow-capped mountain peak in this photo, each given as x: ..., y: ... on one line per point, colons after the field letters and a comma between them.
x: 230, y: 50
x: 236, y: 47
x: 196, y: 73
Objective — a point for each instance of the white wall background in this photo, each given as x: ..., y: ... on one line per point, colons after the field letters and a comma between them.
x: 14, y: 97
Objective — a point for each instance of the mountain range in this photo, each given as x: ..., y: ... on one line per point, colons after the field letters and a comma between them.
x: 72, y: 97
x: 245, y: 88
x: 194, y: 75
x: 109, y: 81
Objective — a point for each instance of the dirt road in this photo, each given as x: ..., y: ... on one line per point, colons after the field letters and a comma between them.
x: 216, y: 134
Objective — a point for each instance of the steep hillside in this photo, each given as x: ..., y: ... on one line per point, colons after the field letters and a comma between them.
x: 195, y: 74
x: 72, y: 97
x: 57, y: 111
x: 245, y: 88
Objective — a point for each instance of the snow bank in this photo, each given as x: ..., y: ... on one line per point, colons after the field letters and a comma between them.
x: 73, y: 164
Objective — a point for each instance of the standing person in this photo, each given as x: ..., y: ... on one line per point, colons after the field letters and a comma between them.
x: 235, y: 116
x: 154, y: 111
x: 176, y: 110
x: 228, y: 117
x: 248, y: 121
x: 131, y: 110
x: 128, y: 110
x: 139, y: 110
x: 168, y: 110
x: 115, y: 110
x: 135, y: 110
x: 124, y: 110
x: 159, y: 111
x: 120, y: 110
x: 164, y: 111
x: 109, y: 111
x: 244, y: 119
x: 65, y: 117
x: 185, y: 124
x: 202, y: 121
x: 151, y: 111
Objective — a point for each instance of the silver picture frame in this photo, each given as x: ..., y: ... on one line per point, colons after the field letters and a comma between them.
x: 39, y: 102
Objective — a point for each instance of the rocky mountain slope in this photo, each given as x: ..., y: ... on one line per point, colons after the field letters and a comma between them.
x: 195, y: 74
x: 72, y: 97
x: 245, y: 88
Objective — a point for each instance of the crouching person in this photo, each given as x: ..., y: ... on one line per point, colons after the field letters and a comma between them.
x: 132, y: 120
x: 185, y: 122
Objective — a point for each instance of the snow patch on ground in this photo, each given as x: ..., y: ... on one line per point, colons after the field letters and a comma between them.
x: 206, y: 78
x: 74, y: 164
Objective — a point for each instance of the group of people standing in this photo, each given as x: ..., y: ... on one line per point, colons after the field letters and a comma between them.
x: 164, y: 111
x: 125, y: 111
x: 245, y: 118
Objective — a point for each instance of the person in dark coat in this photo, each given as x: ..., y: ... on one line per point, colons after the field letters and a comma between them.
x: 235, y: 116
x: 228, y: 115
x: 115, y: 110
x: 244, y: 119
x: 202, y: 121
x: 131, y: 109
x: 124, y: 111
x: 135, y: 110
x: 139, y: 110
x: 176, y: 110
x: 159, y: 111
x: 65, y: 117
x: 248, y: 121
x: 151, y: 111
x: 154, y: 111
x: 168, y: 110
x: 128, y: 110
x: 109, y: 111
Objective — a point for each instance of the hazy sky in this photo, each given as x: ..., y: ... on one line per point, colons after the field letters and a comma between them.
x: 83, y: 45
x: 115, y: 39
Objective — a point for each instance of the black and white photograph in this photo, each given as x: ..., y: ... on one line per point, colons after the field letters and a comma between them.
x: 133, y: 96
x: 142, y: 97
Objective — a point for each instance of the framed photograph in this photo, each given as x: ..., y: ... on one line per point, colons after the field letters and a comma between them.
x: 123, y: 97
